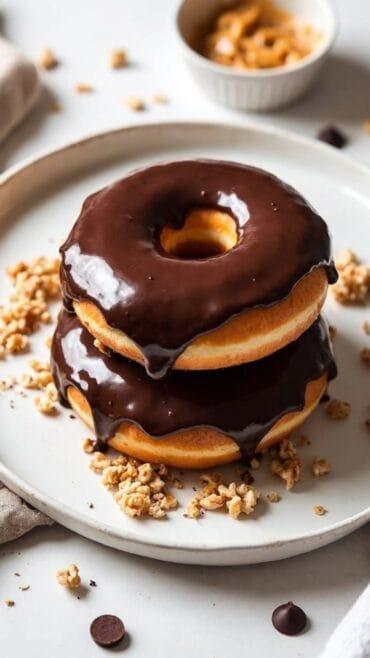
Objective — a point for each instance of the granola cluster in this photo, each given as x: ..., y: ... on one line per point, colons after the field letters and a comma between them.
x: 235, y: 498
x: 33, y: 285
x: 285, y: 463
x: 69, y: 577
x: 353, y: 285
x: 139, y: 488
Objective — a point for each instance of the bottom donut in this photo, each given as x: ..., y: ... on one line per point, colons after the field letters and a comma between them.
x: 191, y: 419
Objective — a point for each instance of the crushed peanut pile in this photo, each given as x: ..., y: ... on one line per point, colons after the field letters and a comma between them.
x: 338, y: 409
x: 69, y: 577
x: 258, y: 35
x: 235, y: 498
x: 139, y: 488
x: 33, y: 285
x: 353, y: 285
x: 320, y: 467
x: 286, y: 463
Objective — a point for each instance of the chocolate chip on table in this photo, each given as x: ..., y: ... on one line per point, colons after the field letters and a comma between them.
x: 289, y: 619
x: 331, y: 135
x: 107, y: 630
x: 92, y: 583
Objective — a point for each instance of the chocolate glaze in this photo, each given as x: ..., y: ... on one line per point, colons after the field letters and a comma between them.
x: 289, y: 619
x: 113, y: 255
x: 242, y: 402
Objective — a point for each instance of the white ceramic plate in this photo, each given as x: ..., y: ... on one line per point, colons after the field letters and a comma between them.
x: 41, y: 458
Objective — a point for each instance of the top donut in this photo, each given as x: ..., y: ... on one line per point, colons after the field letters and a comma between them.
x: 197, y: 265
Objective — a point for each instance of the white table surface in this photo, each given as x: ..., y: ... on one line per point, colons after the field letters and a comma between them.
x: 169, y: 610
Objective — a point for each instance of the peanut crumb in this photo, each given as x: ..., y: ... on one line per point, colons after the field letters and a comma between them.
x: 69, y: 577
x: 117, y: 58
x: 273, y: 497
x: 319, y: 510
x: 47, y: 60
x: 353, y: 285
x: 320, y: 467
x: 286, y: 464
x: 255, y: 464
x: 235, y: 498
x: 9, y: 602
x: 332, y: 332
x: 159, y: 99
x: 83, y: 88
x: 365, y: 356
x: 338, y: 409
x: 55, y: 107
x: 24, y: 588
x: 88, y: 445
x: 44, y: 405
x: 366, y: 125
x: 366, y: 327
x: 135, y: 103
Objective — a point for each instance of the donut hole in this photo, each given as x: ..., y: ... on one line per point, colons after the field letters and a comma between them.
x: 205, y: 233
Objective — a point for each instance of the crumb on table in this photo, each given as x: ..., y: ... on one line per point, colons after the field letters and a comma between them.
x: 83, y: 88
x: 135, y: 103
x: 365, y: 356
x: 69, y: 577
x: 47, y: 60
x: 117, y: 58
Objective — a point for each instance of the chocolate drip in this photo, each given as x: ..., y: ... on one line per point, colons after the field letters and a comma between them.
x: 242, y: 402
x: 113, y: 256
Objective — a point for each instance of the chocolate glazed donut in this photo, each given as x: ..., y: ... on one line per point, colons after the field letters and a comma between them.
x: 241, y: 403
x: 117, y: 262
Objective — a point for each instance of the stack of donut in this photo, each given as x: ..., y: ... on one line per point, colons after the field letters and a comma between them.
x: 191, y: 333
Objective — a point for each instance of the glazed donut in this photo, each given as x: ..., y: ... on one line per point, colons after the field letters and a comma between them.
x: 197, y: 265
x: 191, y: 419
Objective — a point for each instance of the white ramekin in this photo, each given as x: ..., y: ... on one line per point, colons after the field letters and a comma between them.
x: 263, y: 89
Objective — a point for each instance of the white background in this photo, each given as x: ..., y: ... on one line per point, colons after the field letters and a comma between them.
x: 169, y: 610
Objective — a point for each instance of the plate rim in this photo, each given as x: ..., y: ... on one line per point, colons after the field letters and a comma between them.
x: 53, y: 507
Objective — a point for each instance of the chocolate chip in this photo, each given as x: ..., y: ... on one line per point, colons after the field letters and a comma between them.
x: 331, y: 135
x: 289, y: 619
x: 107, y: 630
x: 92, y: 583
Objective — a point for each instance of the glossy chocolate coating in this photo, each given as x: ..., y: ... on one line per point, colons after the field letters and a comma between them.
x: 113, y: 256
x: 289, y: 619
x: 242, y: 402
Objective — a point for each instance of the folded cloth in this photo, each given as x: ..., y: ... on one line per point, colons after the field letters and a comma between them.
x: 16, y: 517
x: 19, y: 87
x: 351, y: 639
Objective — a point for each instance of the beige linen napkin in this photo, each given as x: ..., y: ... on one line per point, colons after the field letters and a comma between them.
x: 19, y: 90
x: 16, y: 517
x: 19, y: 87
